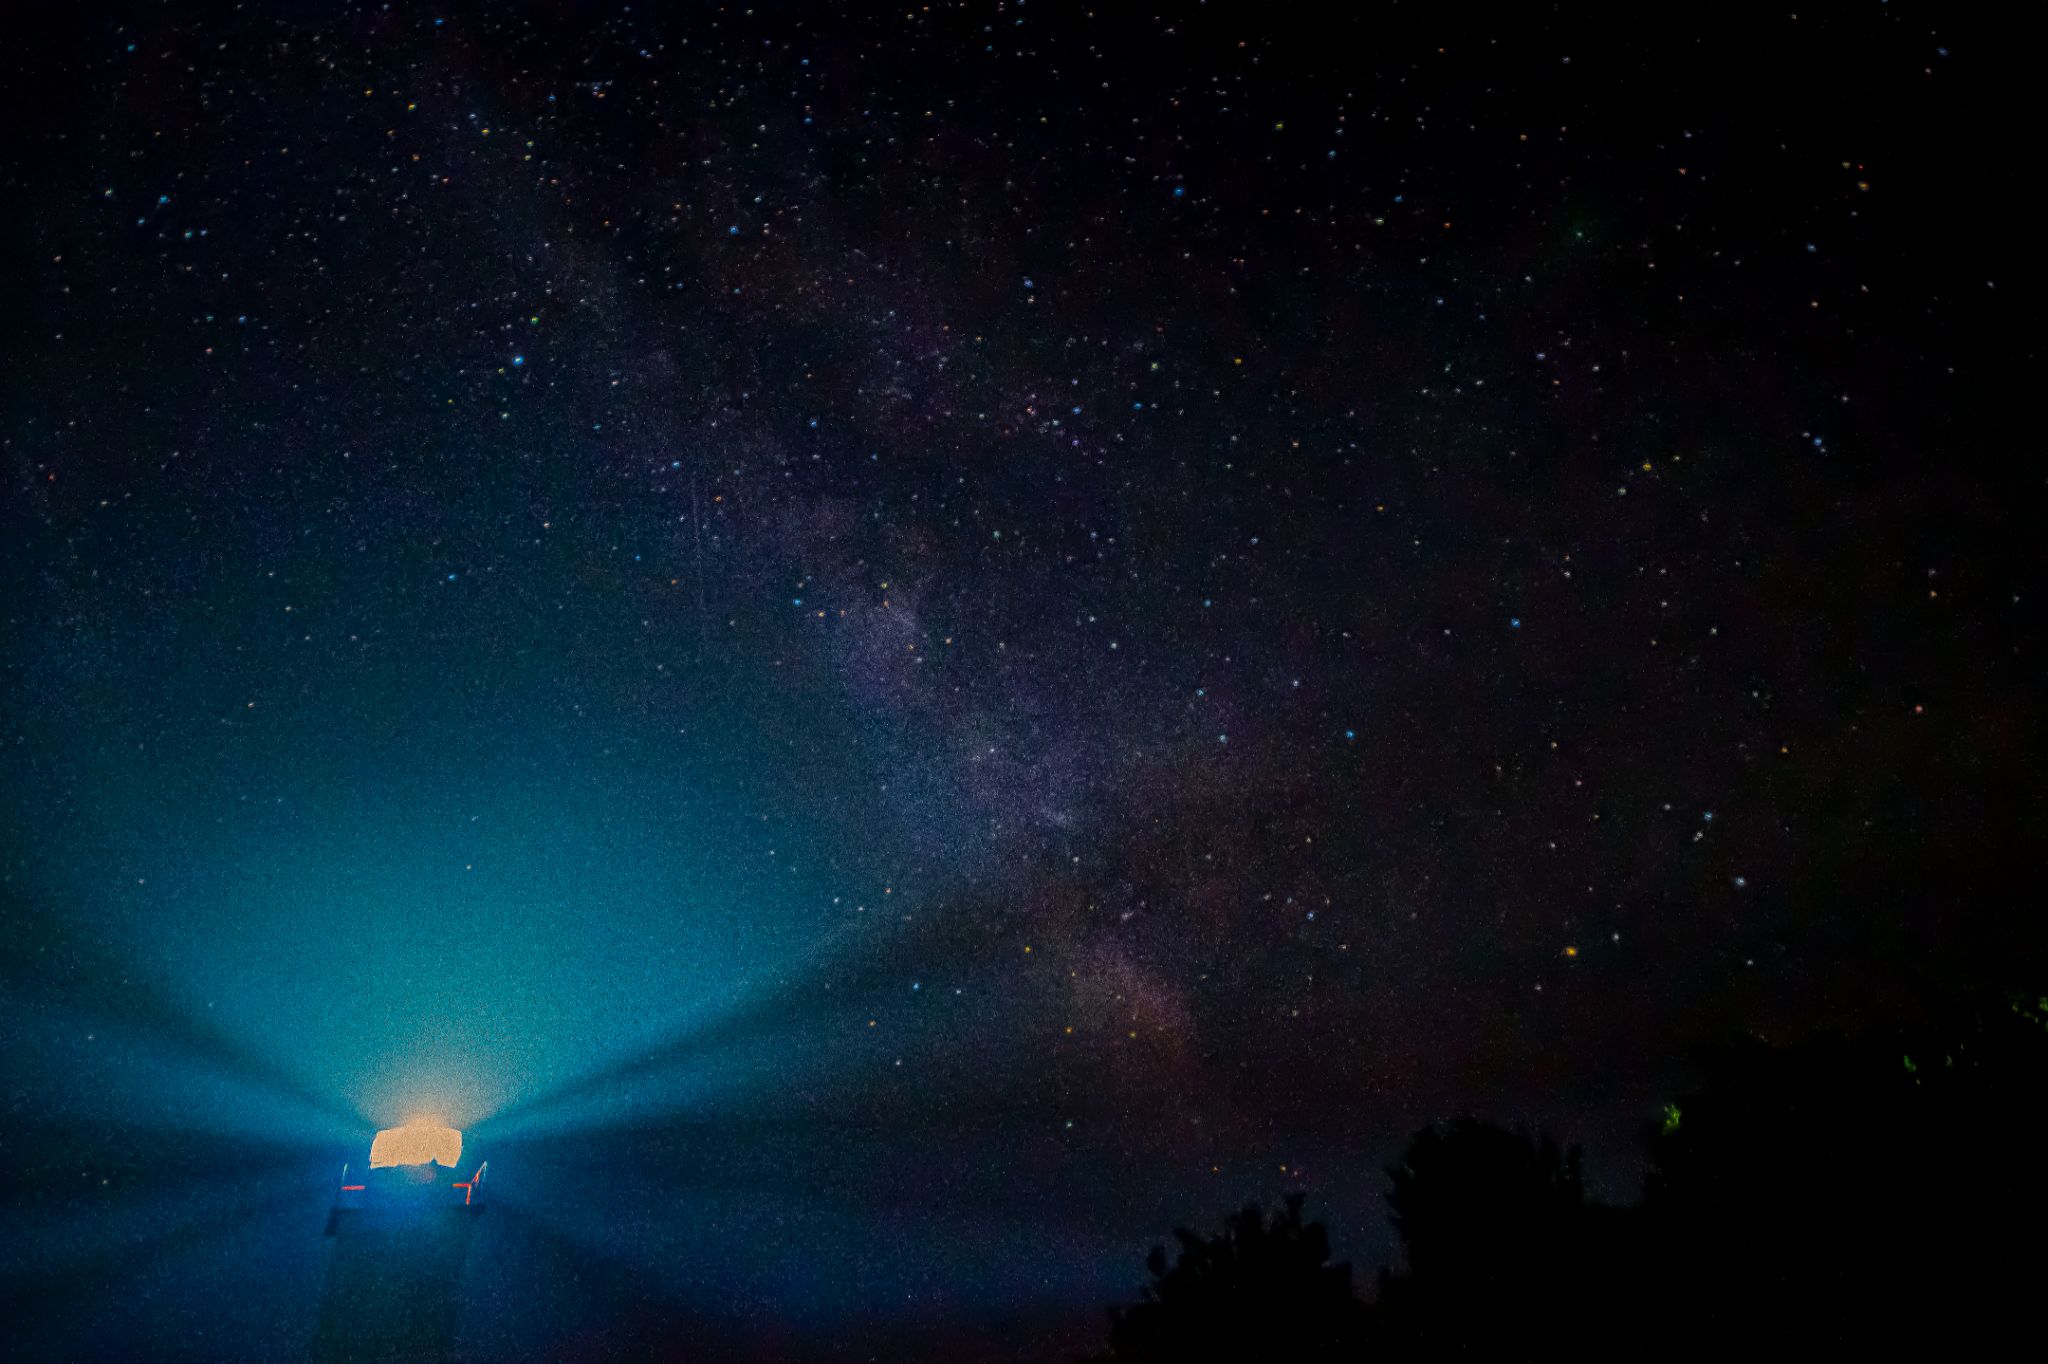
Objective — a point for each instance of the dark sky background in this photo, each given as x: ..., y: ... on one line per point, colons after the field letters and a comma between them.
x: 896, y: 649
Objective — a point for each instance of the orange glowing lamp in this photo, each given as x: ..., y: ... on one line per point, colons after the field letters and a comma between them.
x: 416, y: 1143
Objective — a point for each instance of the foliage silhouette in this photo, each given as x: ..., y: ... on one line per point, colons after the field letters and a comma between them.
x: 1882, y: 1195
x: 1504, y: 1256
x: 1259, y: 1290
x: 1872, y: 1195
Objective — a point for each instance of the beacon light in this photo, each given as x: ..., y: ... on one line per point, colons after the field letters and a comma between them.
x: 417, y: 1143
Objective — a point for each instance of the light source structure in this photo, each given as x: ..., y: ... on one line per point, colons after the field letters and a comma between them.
x: 407, y: 1173
x: 401, y: 1227
x: 416, y: 1143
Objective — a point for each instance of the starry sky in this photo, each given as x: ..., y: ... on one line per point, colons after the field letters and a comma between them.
x: 967, y: 631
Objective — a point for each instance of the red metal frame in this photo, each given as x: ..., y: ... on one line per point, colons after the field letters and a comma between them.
x: 469, y: 1187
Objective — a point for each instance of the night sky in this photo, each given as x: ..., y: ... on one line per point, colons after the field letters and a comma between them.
x: 899, y: 649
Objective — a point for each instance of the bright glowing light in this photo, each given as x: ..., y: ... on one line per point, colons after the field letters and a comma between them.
x: 416, y: 1143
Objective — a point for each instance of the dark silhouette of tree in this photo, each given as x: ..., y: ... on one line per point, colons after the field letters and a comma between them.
x: 1882, y: 1194
x: 1503, y: 1255
x: 1471, y: 1201
x: 1260, y: 1290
